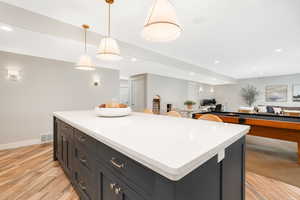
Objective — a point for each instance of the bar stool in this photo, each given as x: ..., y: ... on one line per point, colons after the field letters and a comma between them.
x: 174, y: 114
x: 211, y: 117
x: 148, y: 111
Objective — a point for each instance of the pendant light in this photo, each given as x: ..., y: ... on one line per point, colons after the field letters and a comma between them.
x: 85, y: 61
x: 161, y: 24
x: 108, y: 49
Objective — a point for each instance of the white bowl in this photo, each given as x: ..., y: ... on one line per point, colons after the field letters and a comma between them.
x: 112, y: 112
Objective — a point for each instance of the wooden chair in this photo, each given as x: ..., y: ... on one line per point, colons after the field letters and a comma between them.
x: 174, y: 114
x: 148, y: 111
x: 211, y: 117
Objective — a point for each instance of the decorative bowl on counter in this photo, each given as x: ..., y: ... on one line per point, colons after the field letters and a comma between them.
x: 112, y: 110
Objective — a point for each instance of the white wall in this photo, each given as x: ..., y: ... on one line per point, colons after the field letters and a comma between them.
x: 199, y: 91
x: 46, y: 86
x: 174, y: 91
x: 229, y: 95
x: 171, y: 90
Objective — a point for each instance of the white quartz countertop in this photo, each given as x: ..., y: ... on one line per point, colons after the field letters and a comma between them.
x: 172, y: 147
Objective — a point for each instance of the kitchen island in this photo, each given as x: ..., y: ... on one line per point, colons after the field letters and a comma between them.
x: 150, y: 157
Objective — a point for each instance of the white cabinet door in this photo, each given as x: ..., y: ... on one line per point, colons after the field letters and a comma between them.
x: 138, y: 94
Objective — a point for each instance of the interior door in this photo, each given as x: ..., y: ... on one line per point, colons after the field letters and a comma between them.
x: 138, y: 94
x: 124, y: 95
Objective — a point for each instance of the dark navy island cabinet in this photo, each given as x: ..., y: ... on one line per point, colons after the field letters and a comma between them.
x: 98, y: 172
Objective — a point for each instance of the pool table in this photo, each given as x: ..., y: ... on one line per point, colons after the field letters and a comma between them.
x: 264, y: 125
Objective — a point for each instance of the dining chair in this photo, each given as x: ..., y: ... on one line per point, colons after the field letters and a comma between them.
x: 174, y: 114
x: 211, y: 117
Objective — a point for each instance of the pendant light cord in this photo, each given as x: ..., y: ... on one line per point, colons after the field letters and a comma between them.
x: 85, y: 49
x: 109, y: 19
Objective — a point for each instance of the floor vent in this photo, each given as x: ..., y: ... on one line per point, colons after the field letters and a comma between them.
x: 46, y: 138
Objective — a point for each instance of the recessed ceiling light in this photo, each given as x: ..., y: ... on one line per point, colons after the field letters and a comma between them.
x: 254, y: 70
x: 133, y: 59
x: 278, y: 50
x: 217, y: 62
x: 214, y: 79
x: 192, y: 73
x: 6, y: 28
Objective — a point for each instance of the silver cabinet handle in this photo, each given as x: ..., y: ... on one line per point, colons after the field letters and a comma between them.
x: 82, y: 185
x: 83, y: 160
x: 113, y: 162
x: 81, y: 138
x: 117, y: 190
x: 112, y: 186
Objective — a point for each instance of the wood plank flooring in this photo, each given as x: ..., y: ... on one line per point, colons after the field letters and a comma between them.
x: 29, y: 173
x: 274, y: 159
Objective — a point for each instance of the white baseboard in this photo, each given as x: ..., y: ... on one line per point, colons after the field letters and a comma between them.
x: 20, y: 144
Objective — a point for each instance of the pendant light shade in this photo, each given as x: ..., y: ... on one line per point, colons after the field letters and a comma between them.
x: 109, y: 50
x: 85, y: 61
x: 162, y: 24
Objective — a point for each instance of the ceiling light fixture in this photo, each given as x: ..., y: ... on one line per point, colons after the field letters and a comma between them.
x: 133, y: 59
x: 217, y: 62
x: 161, y: 24
x: 109, y: 49
x: 85, y: 61
x: 192, y: 73
x: 6, y: 28
x: 278, y: 50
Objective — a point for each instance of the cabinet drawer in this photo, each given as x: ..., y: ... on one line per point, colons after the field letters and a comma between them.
x: 82, y: 140
x: 64, y: 128
x: 130, y: 171
x: 83, y: 158
x: 112, y: 188
x: 85, y: 182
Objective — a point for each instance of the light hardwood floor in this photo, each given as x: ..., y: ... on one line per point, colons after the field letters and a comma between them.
x: 274, y: 159
x: 29, y: 173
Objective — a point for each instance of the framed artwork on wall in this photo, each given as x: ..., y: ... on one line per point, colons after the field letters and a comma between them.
x: 296, y: 93
x: 276, y: 93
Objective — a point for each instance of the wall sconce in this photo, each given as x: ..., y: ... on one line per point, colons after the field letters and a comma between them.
x: 13, y: 74
x: 200, y: 89
x: 212, y: 90
x: 96, y: 80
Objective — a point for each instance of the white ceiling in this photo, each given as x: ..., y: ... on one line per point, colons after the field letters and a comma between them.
x: 241, y: 35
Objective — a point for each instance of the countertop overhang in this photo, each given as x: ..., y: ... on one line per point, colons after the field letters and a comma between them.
x: 172, y: 147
